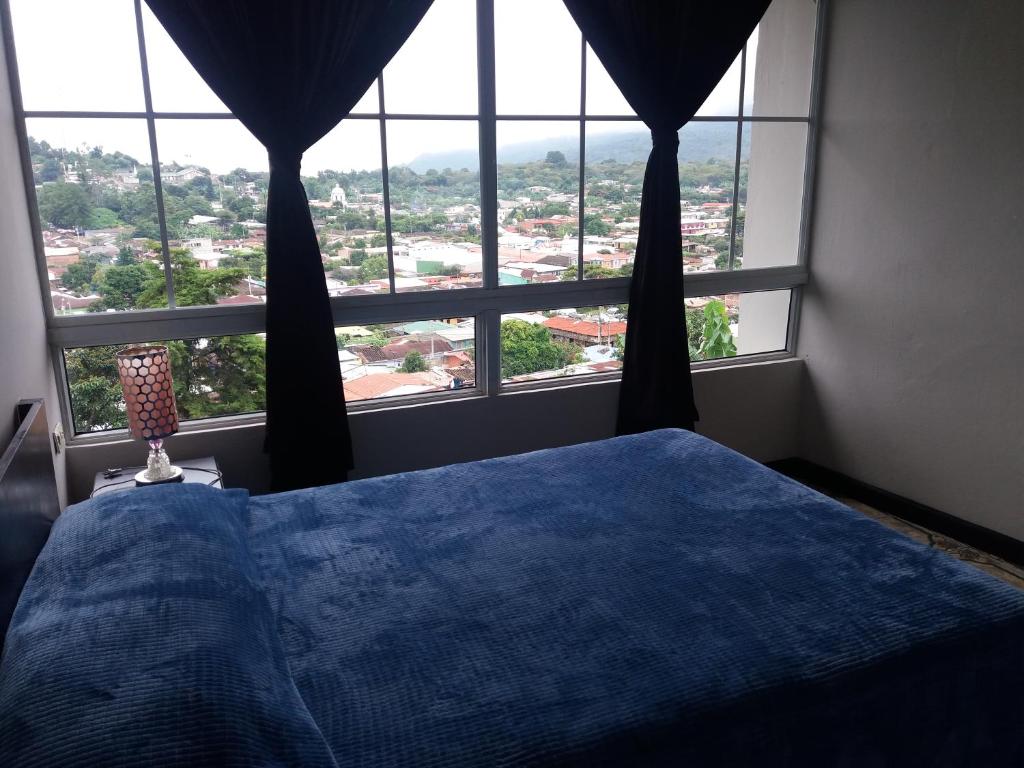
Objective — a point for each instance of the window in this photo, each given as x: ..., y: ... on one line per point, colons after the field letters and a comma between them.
x: 484, y: 199
x: 404, y: 359
x: 213, y: 376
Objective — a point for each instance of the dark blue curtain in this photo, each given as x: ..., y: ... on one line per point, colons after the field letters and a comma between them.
x: 290, y: 71
x: 666, y: 58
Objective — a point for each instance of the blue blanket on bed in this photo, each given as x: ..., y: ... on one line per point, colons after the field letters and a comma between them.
x: 648, y: 600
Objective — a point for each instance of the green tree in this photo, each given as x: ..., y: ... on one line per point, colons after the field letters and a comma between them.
x: 590, y: 272
x: 213, y: 376
x: 219, y: 375
x: 716, y: 338
x: 78, y: 276
x: 413, y: 363
x: 96, y: 400
x: 120, y: 287
x: 64, y: 205
x: 193, y: 287
x: 694, y: 327
x: 125, y: 256
x: 528, y: 348
x: 593, y: 225
x: 102, y: 218
x: 50, y: 170
x: 555, y: 158
x: 373, y: 268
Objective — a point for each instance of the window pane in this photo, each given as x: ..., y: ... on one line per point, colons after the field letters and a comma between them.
x: 174, y: 83
x: 435, y: 70
x: 434, y: 183
x: 97, y: 209
x: 736, y: 324
x: 214, y: 176
x: 370, y: 101
x: 603, y: 95
x: 538, y: 200
x: 780, y: 55
x: 74, y: 55
x: 616, y: 160
x: 707, y: 168
x: 392, y: 359
x: 605, y: 98
x: 214, y: 376
x: 771, y: 195
x: 342, y: 176
x: 561, y: 343
x: 725, y: 98
x: 537, y: 58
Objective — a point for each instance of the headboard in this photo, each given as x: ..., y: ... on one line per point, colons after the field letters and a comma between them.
x: 29, y: 503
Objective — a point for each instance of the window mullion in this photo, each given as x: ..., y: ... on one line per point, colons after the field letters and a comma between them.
x: 488, y: 353
x: 739, y: 151
x: 488, y: 142
x: 583, y: 155
x: 157, y: 186
x: 386, y: 187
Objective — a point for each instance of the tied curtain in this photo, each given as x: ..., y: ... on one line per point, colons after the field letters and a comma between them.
x: 666, y: 58
x: 290, y: 70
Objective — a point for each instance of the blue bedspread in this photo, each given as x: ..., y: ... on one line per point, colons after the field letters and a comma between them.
x: 648, y: 600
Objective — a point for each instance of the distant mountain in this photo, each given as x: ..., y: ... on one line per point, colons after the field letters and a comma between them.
x: 699, y: 142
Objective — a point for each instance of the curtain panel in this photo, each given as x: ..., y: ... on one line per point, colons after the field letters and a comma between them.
x: 666, y: 58
x: 290, y: 71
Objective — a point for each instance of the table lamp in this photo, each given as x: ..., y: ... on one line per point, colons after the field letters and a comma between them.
x: 145, y: 374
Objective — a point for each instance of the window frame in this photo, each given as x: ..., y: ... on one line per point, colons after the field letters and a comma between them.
x: 485, y: 304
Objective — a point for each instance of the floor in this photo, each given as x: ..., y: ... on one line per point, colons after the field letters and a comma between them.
x: 986, y: 562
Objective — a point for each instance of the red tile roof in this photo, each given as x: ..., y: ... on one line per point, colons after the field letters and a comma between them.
x: 241, y: 298
x: 585, y: 328
x: 379, y: 384
x: 398, y: 350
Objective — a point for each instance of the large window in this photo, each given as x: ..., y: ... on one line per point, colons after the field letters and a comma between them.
x: 482, y: 199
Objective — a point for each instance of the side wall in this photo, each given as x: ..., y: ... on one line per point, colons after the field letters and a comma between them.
x: 912, y: 328
x: 751, y: 408
x: 25, y: 369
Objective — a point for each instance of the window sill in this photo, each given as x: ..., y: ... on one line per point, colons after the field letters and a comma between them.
x: 357, y: 409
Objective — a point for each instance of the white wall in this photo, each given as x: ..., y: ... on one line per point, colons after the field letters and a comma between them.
x: 25, y: 369
x: 913, y: 325
x: 752, y: 408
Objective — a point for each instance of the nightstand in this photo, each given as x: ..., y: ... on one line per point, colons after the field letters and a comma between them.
x: 202, y: 470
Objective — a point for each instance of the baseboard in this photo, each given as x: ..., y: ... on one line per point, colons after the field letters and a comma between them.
x: 994, y: 543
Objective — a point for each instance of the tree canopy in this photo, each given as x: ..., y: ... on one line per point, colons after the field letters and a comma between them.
x: 413, y: 363
x: 212, y: 376
x: 528, y: 348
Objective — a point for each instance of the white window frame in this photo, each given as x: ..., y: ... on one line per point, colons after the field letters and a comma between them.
x: 485, y: 304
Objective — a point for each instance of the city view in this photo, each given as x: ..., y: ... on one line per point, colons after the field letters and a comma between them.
x: 101, y: 234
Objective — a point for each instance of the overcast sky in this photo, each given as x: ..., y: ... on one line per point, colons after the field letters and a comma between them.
x: 89, y: 60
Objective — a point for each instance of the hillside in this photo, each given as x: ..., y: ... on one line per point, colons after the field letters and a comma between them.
x: 700, y: 142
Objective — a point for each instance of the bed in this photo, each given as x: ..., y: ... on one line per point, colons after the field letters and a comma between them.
x: 654, y: 599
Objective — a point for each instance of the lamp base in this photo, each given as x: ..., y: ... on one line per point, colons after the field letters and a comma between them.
x: 177, y: 476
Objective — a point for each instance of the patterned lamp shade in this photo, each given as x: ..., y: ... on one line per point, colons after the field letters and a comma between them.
x: 148, y: 392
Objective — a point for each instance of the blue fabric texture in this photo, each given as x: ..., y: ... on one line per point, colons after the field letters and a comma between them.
x: 648, y: 600
x: 143, y: 638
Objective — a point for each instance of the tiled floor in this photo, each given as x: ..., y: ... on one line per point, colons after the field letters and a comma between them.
x: 988, y: 563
